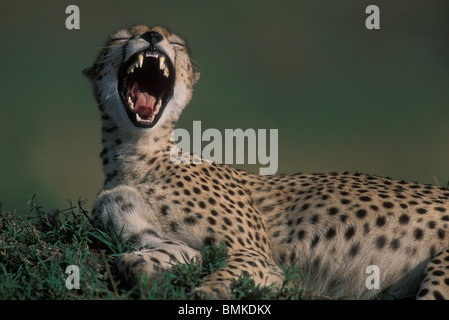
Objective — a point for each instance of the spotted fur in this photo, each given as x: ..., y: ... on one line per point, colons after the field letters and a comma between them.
x: 333, y: 226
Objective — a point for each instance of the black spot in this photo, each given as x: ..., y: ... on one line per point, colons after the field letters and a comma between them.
x: 315, y: 241
x: 354, y: 249
x: 212, y: 201
x: 380, y: 242
x: 227, y: 221
x: 421, y: 211
x: 152, y: 160
x: 202, y: 204
x: 212, y: 221
x: 361, y: 213
x: 418, y: 233
x: 314, y: 219
x: 164, y: 210
x: 380, y: 221
x: 423, y: 292
x: 174, y: 226
x: 180, y: 184
x: 437, y: 295
x: 300, y: 234
x: 332, y: 211
x: 127, y: 207
x: 365, y: 199
x: 441, y: 233
x: 394, y: 244
x: 438, y: 273
x: 208, y: 241
x: 330, y: 233
x: 349, y: 233
x: 404, y: 219
x: 373, y: 207
x: 445, y: 218
x: 388, y: 205
x: 187, y: 178
x: 431, y: 224
x: 190, y: 220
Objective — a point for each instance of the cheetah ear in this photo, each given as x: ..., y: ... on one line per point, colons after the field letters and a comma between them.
x: 196, y: 76
x: 89, y: 72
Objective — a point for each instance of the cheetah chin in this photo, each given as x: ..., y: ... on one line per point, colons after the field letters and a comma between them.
x: 146, y: 83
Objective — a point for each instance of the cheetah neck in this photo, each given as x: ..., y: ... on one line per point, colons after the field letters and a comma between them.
x: 128, y: 154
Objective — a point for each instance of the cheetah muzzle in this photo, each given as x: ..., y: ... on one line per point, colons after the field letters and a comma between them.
x: 332, y: 226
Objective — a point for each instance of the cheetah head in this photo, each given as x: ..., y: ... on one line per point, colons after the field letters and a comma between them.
x: 143, y: 77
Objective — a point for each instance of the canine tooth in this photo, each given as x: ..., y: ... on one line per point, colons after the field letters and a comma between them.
x: 158, y: 107
x: 130, y: 103
x: 166, y: 72
x: 131, y: 69
x: 140, y: 57
x: 152, y: 118
x: 138, y: 118
x: 162, y: 63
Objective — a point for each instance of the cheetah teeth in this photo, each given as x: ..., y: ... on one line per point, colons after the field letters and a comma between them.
x: 139, y: 63
x: 130, y: 103
x: 158, y: 107
x: 131, y: 67
x: 162, y: 63
x: 139, y: 119
x: 140, y: 58
x: 163, y: 67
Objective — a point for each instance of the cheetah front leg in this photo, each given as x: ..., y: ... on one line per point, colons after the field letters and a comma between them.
x: 123, y: 209
x: 243, y: 261
x: 435, y: 285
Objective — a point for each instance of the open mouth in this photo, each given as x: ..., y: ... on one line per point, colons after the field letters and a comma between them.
x: 146, y: 84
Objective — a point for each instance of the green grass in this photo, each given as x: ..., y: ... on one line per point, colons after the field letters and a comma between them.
x: 36, y: 249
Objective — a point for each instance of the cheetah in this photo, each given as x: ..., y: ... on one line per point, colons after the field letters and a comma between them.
x: 333, y: 226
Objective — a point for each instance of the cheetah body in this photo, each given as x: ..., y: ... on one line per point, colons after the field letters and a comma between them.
x: 332, y: 226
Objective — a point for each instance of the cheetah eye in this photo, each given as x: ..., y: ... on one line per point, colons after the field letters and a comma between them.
x: 118, y: 39
x: 177, y: 44
x: 146, y: 82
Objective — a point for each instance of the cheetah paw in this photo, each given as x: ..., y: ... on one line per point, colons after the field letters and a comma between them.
x: 218, y: 291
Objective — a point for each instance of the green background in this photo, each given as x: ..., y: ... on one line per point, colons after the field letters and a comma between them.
x: 342, y: 97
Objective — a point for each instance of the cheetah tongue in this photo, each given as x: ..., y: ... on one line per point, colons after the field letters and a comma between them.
x: 144, y: 105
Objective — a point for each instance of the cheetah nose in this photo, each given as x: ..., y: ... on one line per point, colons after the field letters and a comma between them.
x: 152, y: 37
